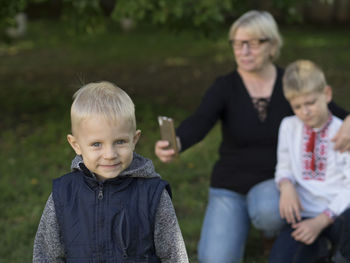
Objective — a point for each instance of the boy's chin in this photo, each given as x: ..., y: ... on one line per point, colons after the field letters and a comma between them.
x: 103, y: 177
x: 314, y: 125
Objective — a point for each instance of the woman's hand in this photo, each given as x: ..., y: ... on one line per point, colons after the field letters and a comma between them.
x: 308, y: 230
x: 342, y: 138
x: 165, y: 155
x: 290, y: 205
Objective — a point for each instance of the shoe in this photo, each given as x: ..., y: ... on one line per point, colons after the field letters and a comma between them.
x: 324, y: 251
x: 338, y: 258
x: 324, y: 260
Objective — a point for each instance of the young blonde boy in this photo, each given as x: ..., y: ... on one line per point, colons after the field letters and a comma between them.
x: 313, y: 179
x: 113, y: 206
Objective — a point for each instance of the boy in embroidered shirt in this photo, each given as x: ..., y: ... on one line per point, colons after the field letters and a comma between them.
x: 313, y: 179
x: 113, y: 206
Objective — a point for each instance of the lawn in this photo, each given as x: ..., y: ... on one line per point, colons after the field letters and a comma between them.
x: 165, y: 73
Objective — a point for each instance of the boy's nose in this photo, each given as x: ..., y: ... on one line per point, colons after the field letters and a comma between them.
x: 305, y: 110
x: 110, y: 153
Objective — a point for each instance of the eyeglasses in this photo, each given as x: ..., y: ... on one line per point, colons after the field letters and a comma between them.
x: 252, y: 44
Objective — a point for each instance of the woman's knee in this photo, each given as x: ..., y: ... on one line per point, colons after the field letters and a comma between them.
x: 263, y: 200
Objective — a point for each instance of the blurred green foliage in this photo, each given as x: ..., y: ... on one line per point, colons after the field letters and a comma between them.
x: 202, y: 15
x: 8, y: 11
x: 90, y: 16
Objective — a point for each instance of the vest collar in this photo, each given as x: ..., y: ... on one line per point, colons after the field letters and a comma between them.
x: 91, y: 179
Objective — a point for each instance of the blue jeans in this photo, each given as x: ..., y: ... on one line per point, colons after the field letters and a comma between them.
x: 228, y: 217
x: 287, y: 250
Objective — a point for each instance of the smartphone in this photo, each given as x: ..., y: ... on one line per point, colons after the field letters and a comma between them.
x: 167, y: 132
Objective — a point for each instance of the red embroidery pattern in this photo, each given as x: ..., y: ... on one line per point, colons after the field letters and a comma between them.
x: 315, y: 161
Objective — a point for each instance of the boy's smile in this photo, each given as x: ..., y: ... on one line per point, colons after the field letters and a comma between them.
x: 106, y: 146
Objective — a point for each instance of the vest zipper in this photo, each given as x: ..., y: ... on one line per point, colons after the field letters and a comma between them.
x: 121, y: 239
x: 99, y: 230
x: 100, y: 192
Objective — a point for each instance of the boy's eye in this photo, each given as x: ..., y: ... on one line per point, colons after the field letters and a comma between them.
x: 96, y: 144
x: 311, y: 102
x: 120, y: 141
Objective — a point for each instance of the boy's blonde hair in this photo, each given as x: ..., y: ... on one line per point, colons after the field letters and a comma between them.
x: 260, y: 24
x: 105, y: 99
x: 303, y: 77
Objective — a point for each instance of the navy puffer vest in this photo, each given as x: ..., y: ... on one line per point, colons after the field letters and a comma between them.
x: 111, y: 221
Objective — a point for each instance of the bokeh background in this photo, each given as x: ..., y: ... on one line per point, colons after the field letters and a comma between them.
x: 165, y: 54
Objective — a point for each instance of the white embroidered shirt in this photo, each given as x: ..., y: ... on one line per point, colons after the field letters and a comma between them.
x: 327, y: 186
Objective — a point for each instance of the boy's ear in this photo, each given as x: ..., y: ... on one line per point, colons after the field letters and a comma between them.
x: 136, y: 137
x: 74, y: 143
x: 328, y: 93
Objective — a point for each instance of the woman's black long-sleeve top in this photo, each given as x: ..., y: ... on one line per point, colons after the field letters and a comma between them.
x: 247, y: 153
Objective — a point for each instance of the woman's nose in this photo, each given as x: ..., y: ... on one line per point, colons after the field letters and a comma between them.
x: 245, y: 48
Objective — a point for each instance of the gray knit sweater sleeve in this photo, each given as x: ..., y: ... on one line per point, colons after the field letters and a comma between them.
x: 169, y: 244
x: 47, y: 242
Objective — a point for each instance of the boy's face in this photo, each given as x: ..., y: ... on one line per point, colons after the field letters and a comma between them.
x: 312, y: 108
x: 106, y: 146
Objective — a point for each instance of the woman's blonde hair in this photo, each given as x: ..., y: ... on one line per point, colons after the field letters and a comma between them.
x: 303, y: 77
x: 105, y: 99
x: 261, y: 24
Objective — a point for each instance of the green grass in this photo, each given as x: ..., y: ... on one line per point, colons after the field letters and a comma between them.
x: 164, y: 73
